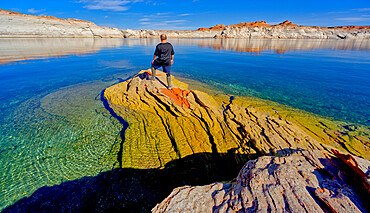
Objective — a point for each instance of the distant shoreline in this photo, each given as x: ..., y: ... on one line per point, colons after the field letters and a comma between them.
x: 18, y: 25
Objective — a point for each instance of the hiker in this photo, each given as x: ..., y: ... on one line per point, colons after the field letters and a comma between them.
x: 163, y: 57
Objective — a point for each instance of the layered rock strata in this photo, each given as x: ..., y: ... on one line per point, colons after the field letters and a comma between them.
x: 268, y: 32
x: 13, y: 24
x: 164, y: 125
x: 307, y: 181
x: 293, y: 32
x: 260, y: 29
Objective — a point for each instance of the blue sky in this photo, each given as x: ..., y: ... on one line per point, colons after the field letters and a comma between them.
x: 192, y: 14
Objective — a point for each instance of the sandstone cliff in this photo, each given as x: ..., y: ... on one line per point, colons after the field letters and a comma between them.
x: 13, y: 24
x: 307, y: 181
x: 289, y: 30
x: 260, y: 29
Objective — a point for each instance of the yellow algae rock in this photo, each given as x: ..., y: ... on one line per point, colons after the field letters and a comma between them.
x: 165, y: 125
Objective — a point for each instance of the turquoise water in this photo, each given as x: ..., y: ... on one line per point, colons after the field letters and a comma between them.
x: 54, y: 128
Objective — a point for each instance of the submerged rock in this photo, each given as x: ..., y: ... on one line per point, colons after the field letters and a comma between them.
x: 307, y: 181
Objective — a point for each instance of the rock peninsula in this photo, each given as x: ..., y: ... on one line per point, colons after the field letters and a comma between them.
x: 292, y: 166
x: 164, y: 125
x: 14, y: 24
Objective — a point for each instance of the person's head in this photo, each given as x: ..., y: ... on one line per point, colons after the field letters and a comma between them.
x: 163, y: 37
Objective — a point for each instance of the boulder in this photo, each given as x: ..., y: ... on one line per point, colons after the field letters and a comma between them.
x: 307, y: 181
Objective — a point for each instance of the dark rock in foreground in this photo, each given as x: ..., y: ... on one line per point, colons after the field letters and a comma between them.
x: 307, y: 181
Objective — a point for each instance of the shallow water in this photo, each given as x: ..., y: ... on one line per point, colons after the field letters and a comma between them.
x: 54, y: 128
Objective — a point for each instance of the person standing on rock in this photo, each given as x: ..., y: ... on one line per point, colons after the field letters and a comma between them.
x: 163, y: 57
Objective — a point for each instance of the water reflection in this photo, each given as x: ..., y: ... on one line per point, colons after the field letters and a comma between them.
x: 259, y: 45
x: 280, y: 45
x: 19, y: 49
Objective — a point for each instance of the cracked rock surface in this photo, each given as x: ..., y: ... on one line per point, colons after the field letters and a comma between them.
x: 165, y: 125
x: 307, y: 181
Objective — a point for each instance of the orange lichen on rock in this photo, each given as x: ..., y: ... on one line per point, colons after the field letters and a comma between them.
x: 178, y: 96
x: 150, y: 73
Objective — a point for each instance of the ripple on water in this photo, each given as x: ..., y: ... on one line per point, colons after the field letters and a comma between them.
x: 62, y: 136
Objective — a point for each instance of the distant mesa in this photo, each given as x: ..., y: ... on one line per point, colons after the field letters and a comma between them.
x: 249, y: 24
x: 284, y: 23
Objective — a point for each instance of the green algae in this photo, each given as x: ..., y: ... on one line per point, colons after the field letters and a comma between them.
x: 53, y: 138
x: 343, y: 135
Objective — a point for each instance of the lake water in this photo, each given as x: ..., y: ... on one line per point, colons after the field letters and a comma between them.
x: 54, y: 128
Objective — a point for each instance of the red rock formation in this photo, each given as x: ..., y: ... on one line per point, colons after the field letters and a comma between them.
x: 252, y: 24
x: 285, y: 23
x: 217, y: 27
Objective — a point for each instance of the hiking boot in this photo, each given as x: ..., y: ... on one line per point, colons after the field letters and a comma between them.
x: 153, y: 74
x: 169, y: 81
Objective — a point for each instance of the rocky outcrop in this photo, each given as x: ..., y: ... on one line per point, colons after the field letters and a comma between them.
x: 164, y: 125
x: 307, y: 181
x: 164, y: 129
x: 13, y: 24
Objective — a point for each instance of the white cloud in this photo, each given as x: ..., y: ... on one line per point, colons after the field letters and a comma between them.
x: 175, y: 21
x: 186, y: 14
x: 107, y: 5
x: 144, y: 19
x: 362, y: 9
x: 33, y: 11
x: 353, y: 19
x: 162, y: 14
x: 146, y: 23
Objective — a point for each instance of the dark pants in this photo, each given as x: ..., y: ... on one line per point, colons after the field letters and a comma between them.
x: 166, y: 69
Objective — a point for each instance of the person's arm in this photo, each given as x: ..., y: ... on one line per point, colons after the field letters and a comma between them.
x: 172, y: 55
